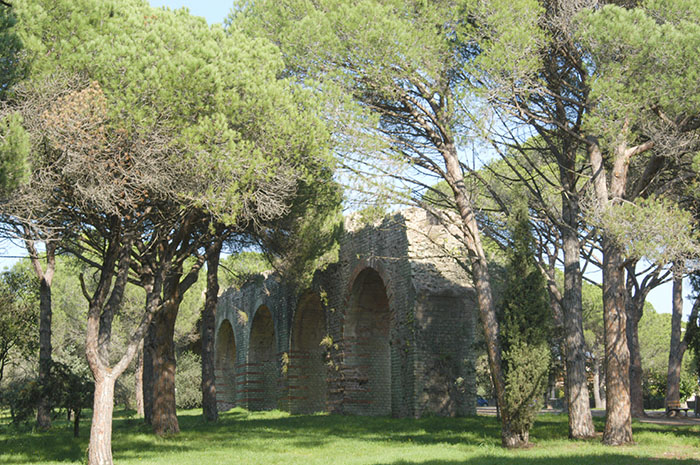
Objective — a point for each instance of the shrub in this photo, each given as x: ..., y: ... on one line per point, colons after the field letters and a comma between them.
x: 71, y: 390
x: 188, y: 381
x: 67, y: 389
x: 524, y: 330
x: 21, y: 397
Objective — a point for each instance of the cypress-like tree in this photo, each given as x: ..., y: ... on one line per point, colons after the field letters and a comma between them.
x: 525, y: 329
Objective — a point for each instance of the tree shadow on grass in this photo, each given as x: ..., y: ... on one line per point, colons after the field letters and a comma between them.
x: 42, y: 448
x: 316, y: 430
x: 61, y: 446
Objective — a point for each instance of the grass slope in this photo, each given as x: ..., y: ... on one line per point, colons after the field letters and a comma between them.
x: 250, y: 438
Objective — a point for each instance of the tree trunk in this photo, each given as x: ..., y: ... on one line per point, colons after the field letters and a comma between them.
x: 677, y: 349
x: 102, y: 308
x: 558, y: 341
x: 160, y: 344
x: 43, y: 416
x: 618, y: 424
x: 100, y: 448
x: 599, y: 402
x: 164, y: 419
x: 76, y: 423
x: 577, y: 397
x: 138, y: 384
x: 482, y: 283
x: 208, y: 328
x: 636, y: 297
x: 148, y: 378
x: 634, y: 314
x: 153, y: 300
x: 514, y: 440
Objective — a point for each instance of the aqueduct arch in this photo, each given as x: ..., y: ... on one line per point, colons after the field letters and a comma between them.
x: 307, y: 365
x: 262, y: 362
x: 396, y: 316
x: 367, y: 348
x: 225, y: 367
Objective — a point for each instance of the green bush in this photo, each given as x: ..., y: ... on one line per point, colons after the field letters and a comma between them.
x: 71, y: 390
x: 67, y: 390
x: 21, y: 397
x: 188, y: 381
x: 524, y: 330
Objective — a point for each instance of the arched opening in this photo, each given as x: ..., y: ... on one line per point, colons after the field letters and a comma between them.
x: 367, y: 349
x: 262, y: 362
x: 307, y: 370
x: 225, y: 368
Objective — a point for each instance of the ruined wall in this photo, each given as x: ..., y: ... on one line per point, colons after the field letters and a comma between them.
x: 445, y: 312
x: 387, y: 330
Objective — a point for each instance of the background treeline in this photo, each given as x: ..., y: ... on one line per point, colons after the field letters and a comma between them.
x: 19, y: 386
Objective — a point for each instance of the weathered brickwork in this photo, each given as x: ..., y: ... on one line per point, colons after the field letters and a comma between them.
x: 388, y: 330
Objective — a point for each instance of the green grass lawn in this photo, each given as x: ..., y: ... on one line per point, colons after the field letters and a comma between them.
x: 246, y: 438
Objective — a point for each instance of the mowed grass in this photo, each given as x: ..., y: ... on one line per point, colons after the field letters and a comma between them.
x: 249, y: 438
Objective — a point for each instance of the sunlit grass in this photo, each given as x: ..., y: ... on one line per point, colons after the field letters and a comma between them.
x: 250, y: 438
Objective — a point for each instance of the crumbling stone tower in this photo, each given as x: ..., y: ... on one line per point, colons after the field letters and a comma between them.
x: 387, y: 330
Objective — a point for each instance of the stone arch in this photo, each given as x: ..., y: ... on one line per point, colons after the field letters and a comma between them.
x: 376, y: 265
x: 307, y: 369
x: 367, y: 348
x: 225, y: 367
x: 262, y: 362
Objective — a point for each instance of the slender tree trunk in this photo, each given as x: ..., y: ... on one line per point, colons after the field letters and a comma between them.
x: 208, y: 327
x: 634, y: 314
x: 636, y: 297
x: 43, y: 417
x: 138, y: 384
x: 577, y: 397
x: 164, y: 419
x: 599, y: 401
x: 618, y: 425
x: 76, y: 423
x: 482, y: 283
x: 100, y: 448
x: 4, y: 349
x: 148, y: 377
x: 678, y: 347
x: 558, y: 341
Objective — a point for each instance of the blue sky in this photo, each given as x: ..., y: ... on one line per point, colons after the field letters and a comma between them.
x: 215, y: 11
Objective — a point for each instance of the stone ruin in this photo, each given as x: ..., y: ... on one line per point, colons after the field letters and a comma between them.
x: 387, y: 330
